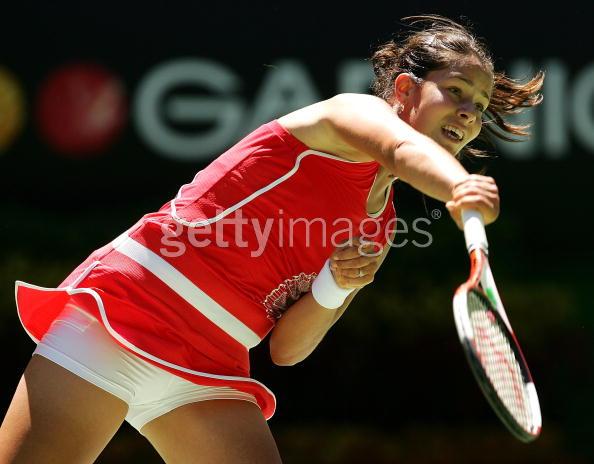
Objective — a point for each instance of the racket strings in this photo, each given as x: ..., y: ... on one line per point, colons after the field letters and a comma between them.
x: 498, y: 360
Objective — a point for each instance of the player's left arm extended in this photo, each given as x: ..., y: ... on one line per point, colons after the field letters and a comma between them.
x: 303, y: 326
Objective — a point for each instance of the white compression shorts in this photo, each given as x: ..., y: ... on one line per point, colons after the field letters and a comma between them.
x: 78, y: 342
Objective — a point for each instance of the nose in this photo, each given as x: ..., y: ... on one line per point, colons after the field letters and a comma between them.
x: 467, y: 113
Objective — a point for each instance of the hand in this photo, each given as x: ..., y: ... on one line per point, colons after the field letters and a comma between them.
x: 354, y: 264
x: 475, y: 192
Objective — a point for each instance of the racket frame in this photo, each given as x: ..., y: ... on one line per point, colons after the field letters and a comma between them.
x: 477, y: 245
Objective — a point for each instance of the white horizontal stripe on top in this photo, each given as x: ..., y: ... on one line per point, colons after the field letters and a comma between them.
x: 185, y: 288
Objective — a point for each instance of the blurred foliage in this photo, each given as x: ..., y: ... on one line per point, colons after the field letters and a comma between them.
x: 332, y: 443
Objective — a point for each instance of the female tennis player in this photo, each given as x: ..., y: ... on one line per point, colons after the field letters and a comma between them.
x: 277, y: 235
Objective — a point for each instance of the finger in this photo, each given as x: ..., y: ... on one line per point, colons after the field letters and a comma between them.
x: 473, y: 192
x: 360, y: 272
x: 479, y: 202
x: 351, y: 241
x: 477, y: 189
x: 453, y: 207
x: 340, y: 279
x: 354, y: 263
x: 354, y: 251
x: 355, y: 282
x: 476, y: 183
x: 455, y: 213
x: 470, y: 198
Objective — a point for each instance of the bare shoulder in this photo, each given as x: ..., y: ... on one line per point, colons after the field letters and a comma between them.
x: 315, y: 125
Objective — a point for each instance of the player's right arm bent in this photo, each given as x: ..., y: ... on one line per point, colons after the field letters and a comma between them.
x: 304, y: 325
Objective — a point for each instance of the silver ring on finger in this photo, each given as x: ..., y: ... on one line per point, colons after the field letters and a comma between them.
x: 360, y: 274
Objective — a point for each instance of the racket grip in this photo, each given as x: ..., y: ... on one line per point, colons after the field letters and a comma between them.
x: 474, y: 230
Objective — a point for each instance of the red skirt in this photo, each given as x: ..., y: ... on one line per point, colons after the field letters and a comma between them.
x: 180, y: 343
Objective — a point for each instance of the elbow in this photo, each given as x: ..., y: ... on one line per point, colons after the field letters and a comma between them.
x: 282, y: 358
x: 403, y: 151
x: 284, y: 361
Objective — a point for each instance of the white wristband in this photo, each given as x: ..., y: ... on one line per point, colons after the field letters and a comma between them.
x: 326, y: 291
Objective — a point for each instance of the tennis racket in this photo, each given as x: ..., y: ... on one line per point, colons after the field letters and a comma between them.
x: 489, y: 343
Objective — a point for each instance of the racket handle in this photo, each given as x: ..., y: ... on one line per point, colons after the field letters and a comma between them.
x: 474, y: 230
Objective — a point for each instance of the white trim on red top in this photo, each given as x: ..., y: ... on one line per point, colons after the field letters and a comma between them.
x: 257, y: 193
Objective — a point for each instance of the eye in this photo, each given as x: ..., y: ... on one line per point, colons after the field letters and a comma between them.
x: 480, y: 107
x: 455, y: 90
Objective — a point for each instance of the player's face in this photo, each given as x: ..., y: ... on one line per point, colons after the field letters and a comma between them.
x: 449, y: 103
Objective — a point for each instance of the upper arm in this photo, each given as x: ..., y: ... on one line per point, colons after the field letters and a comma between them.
x: 355, y: 126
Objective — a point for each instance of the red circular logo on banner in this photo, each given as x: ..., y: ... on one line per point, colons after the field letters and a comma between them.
x: 81, y: 109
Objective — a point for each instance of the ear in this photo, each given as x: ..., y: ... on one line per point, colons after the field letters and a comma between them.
x: 404, y: 85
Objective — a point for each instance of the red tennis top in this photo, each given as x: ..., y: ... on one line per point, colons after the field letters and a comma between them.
x: 192, y: 287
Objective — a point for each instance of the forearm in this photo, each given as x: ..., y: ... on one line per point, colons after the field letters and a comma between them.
x: 340, y: 311
x: 427, y: 167
x: 301, y: 328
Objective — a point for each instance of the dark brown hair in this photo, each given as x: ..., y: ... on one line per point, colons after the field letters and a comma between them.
x: 434, y: 42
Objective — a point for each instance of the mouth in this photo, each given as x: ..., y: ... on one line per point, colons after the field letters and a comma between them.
x: 452, y: 133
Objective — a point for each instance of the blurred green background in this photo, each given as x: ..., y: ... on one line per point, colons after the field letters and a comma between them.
x: 78, y: 165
